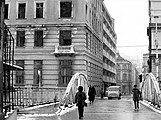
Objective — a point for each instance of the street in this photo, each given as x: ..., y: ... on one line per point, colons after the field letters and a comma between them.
x: 101, y: 110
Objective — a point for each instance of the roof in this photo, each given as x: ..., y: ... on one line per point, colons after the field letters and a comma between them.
x: 119, y: 58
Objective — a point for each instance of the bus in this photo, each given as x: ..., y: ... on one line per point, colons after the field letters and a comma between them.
x: 114, y: 92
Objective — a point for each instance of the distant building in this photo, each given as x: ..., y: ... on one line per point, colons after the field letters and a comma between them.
x: 126, y: 75
x: 57, y: 38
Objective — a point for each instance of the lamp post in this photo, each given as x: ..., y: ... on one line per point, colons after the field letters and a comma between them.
x: 157, y: 55
x: 157, y: 59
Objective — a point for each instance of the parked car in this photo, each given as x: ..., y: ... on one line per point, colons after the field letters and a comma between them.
x: 113, y: 92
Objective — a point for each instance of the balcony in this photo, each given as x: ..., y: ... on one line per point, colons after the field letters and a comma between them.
x: 64, y: 51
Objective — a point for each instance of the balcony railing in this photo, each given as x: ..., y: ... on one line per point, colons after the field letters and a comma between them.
x: 64, y: 50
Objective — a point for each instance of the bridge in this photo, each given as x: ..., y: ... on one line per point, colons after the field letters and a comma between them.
x: 151, y: 91
x: 79, y: 79
x: 149, y: 88
x: 64, y: 97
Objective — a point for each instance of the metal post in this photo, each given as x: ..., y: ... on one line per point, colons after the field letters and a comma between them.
x: 157, y: 58
x: 149, y: 60
x: 157, y: 54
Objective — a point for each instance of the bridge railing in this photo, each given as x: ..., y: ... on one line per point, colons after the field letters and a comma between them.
x: 30, y: 96
x: 150, y: 90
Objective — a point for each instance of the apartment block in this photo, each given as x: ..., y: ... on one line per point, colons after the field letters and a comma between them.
x: 109, y: 48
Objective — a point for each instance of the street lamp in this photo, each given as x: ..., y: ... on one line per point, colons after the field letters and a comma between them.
x: 156, y: 45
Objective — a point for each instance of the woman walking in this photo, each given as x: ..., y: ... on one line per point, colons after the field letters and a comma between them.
x: 80, y: 98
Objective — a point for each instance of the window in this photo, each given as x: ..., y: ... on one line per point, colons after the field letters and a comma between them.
x: 38, y: 38
x: 20, y: 73
x: 65, y: 38
x: 37, y: 72
x: 65, y: 73
x: 118, y: 76
x: 6, y: 11
x: 39, y: 10
x: 66, y: 9
x: 124, y: 77
x: 21, y: 10
x: 20, y: 41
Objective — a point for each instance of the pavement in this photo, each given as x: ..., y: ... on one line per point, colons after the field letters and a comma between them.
x: 99, y: 110
x: 151, y: 106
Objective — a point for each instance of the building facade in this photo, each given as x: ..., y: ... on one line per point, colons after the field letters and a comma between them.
x: 56, y: 39
x: 154, y: 33
x: 125, y: 75
x: 109, y: 49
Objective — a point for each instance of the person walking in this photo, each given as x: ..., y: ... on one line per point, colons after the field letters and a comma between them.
x: 102, y: 93
x: 80, y: 98
x: 136, y: 97
x: 91, y: 94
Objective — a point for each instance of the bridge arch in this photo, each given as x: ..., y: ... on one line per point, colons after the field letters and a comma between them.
x: 78, y: 79
x: 150, y: 90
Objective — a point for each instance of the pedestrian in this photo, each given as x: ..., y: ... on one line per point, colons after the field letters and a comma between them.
x: 136, y: 97
x: 80, y: 98
x: 102, y: 93
x: 91, y: 94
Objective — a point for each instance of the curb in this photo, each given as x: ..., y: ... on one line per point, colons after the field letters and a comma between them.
x: 38, y: 106
x: 152, y: 107
x: 63, y: 110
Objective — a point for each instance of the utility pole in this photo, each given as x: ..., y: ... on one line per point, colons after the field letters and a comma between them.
x: 2, y: 4
x: 156, y: 45
x: 149, y: 60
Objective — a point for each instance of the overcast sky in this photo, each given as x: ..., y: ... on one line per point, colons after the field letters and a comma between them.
x: 131, y: 22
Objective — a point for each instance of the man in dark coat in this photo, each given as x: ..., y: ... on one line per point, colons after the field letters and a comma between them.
x: 136, y: 97
x: 91, y: 94
x: 80, y: 98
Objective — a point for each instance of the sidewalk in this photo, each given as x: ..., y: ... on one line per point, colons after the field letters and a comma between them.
x: 98, y: 114
x: 33, y: 112
x: 90, y: 112
x: 151, y: 106
x: 99, y: 110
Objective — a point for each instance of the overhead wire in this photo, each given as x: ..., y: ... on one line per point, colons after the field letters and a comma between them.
x: 134, y: 46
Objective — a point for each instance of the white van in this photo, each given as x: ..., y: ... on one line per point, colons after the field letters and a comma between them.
x: 114, y: 92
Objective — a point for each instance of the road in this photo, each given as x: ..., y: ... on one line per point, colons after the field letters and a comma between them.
x: 102, y: 110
